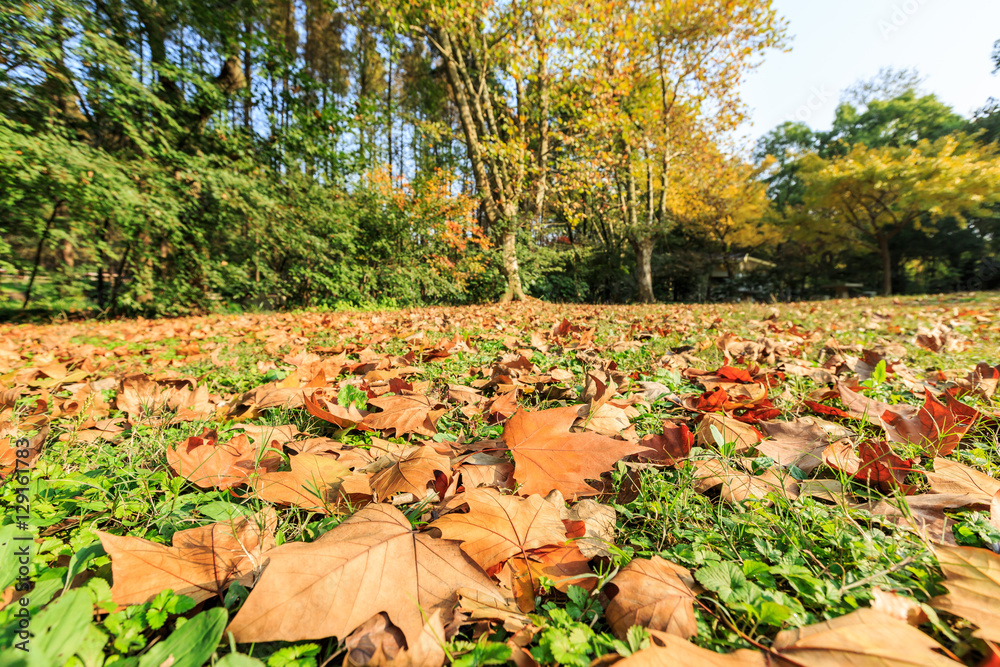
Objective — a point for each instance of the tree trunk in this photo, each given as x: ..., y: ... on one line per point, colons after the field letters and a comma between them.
x: 644, y: 264
x: 38, y: 252
x: 511, y: 269
x: 883, y: 251
x: 247, y: 74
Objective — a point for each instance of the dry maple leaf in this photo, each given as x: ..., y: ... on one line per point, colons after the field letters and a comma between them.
x: 899, y: 607
x: 743, y: 436
x: 860, y: 406
x: 654, y: 594
x: 925, y: 514
x: 412, y: 473
x: 953, y: 477
x: 934, y: 427
x: 499, y: 527
x: 403, y: 414
x: 672, y: 447
x: 738, y: 485
x: 547, y: 456
x: 285, y: 393
x: 597, y: 524
x: 874, y: 463
x: 480, y: 607
x: 139, y: 397
x: 314, y: 483
x: 670, y: 651
x: 565, y: 565
x: 972, y: 577
x: 202, y: 562
x: 321, y: 407
x: 373, y: 562
x: 206, y: 463
x: 377, y: 642
x: 799, y: 443
x: 865, y: 638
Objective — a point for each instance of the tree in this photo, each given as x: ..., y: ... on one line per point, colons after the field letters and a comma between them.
x: 888, y: 84
x: 664, y: 78
x: 496, y: 60
x: 872, y: 194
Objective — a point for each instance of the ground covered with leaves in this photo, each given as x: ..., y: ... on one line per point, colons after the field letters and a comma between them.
x: 797, y: 484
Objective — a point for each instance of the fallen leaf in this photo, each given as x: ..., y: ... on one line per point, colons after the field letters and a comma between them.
x: 670, y: 447
x: 800, y: 443
x: 202, y: 562
x: 955, y: 478
x: 743, y: 436
x: 320, y: 406
x: 547, y: 456
x: 925, y: 514
x: 313, y: 483
x: 372, y: 562
x: 499, y: 527
x: 377, y: 642
x: 863, y: 637
x: 655, y: 594
x: 934, y: 427
x: 412, y: 473
x: 673, y: 651
x: 403, y: 414
x: 599, y: 526
x: 972, y: 577
x: 206, y: 463
x: 899, y: 607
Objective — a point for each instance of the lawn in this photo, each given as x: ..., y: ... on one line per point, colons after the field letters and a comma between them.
x: 807, y: 484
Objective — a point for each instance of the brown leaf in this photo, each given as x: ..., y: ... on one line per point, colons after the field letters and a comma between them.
x: 899, y: 607
x: 313, y: 483
x: 201, y: 563
x: 402, y: 415
x: 860, y: 406
x: 320, y: 406
x: 564, y: 565
x: 206, y: 463
x: 673, y: 651
x: 599, y: 526
x: 411, y: 474
x: 547, y: 456
x: 955, y: 478
x: 10, y: 462
x: 800, y: 443
x: 743, y: 436
x: 655, y: 594
x: 865, y: 638
x: 841, y: 456
x: 488, y: 607
x: 972, y: 577
x: 379, y: 643
x: 499, y: 527
x: 934, y: 427
x: 484, y: 470
x: 737, y: 485
x: 672, y: 447
x: 372, y: 562
x: 925, y: 514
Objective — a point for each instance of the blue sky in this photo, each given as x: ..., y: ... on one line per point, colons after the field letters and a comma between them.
x: 836, y: 43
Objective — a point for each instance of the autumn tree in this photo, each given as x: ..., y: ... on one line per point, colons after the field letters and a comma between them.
x: 496, y: 58
x: 872, y: 194
x: 727, y: 204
